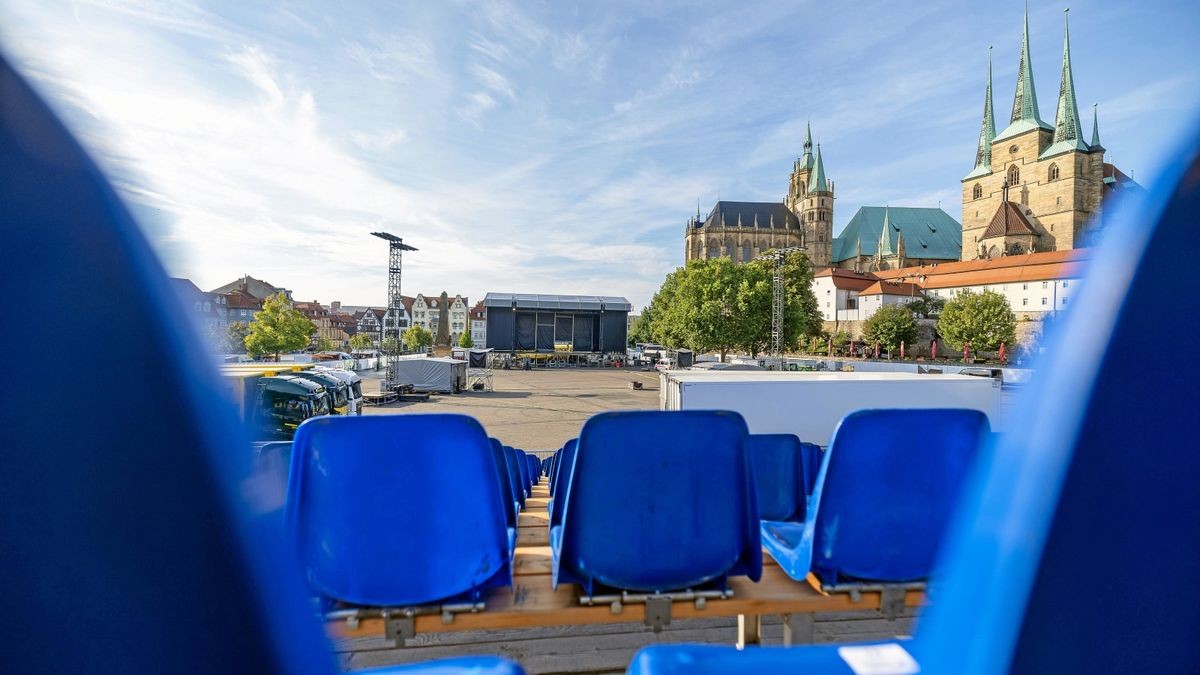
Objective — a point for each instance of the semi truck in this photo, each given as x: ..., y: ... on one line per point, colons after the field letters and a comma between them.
x: 272, y: 400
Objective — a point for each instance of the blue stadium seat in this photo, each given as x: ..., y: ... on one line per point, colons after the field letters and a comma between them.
x: 509, y: 479
x: 811, y: 455
x: 398, y: 510
x: 514, y: 470
x: 779, y: 479
x: 566, y: 466
x: 523, y: 470
x: 880, y: 510
x: 146, y: 544
x: 1066, y: 556
x: 511, y: 506
x: 535, y: 468
x: 657, y: 501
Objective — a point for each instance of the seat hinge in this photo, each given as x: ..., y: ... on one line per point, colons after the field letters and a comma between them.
x: 399, y: 627
x: 658, y: 612
x: 891, y: 602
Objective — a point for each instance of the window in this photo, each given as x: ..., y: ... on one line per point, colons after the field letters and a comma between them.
x: 1043, y: 301
x: 1014, y: 175
x: 1024, y: 301
x: 1064, y: 284
x: 1024, y: 287
x: 1045, y: 284
x: 746, y: 252
x: 1053, y: 172
x: 1064, y: 301
x: 977, y: 191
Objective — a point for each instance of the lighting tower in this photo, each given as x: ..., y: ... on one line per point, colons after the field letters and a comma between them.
x: 396, y: 249
x: 778, y: 256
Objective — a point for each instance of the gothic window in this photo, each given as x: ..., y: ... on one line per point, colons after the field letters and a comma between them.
x: 714, y: 251
x: 1014, y: 175
x: 977, y: 191
x: 746, y: 251
x: 1053, y: 172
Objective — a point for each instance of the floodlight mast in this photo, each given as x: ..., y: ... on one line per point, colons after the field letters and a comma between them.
x: 778, y: 256
x: 396, y: 249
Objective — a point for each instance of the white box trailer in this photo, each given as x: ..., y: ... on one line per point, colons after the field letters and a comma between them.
x: 810, y: 404
x: 444, y: 375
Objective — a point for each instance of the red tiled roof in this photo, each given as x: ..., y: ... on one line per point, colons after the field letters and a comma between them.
x: 892, y: 288
x: 1067, y: 264
x: 847, y: 279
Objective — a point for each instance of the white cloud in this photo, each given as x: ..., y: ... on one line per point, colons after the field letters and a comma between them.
x: 395, y: 57
x: 477, y: 104
x: 493, y: 80
x: 380, y: 141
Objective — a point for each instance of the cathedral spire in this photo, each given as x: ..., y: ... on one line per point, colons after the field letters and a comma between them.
x: 817, y: 182
x: 987, y: 130
x: 1095, y: 144
x: 1025, y: 115
x: 1066, y: 122
x: 806, y: 161
x: 885, y: 236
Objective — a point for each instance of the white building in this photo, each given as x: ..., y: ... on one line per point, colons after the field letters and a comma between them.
x: 478, y: 321
x: 429, y: 311
x: 1033, y: 284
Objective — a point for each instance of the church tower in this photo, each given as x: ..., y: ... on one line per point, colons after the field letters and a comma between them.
x: 1035, y: 187
x: 816, y: 214
x: 801, y: 172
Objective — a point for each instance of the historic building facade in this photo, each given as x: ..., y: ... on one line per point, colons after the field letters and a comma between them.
x: 876, y: 238
x: 743, y: 230
x: 1035, y: 187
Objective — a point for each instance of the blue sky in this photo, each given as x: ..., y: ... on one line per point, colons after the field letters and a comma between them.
x: 552, y: 147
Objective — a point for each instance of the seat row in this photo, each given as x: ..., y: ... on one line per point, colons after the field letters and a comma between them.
x: 656, y: 502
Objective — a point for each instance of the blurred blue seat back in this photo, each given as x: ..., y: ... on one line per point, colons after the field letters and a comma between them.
x: 889, y: 488
x: 566, y: 468
x: 136, y: 538
x: 1066, y: 556
x: 522, y: 470
x: 778, y: 476
x: 506, y: 492
x: 658, y: 501
x: 535, y: 468
x: 398, y: 510
x: 514, y: 470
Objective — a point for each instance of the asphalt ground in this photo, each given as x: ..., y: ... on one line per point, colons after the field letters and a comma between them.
x: 540, y: 409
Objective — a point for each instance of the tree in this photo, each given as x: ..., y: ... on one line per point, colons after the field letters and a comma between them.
x: 801, y: 315
x: 235, y: 336
x: 927, y: 307
x: 465, y: 340
x: 890, y: 325
x: 324, y: 344
x: 278, y: 328
x: 417, y: 339
x: 390, y: 345
x: 982, y: 320
x: 361, y: 342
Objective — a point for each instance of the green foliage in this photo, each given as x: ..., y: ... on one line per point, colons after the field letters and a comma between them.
x: 235, y: 336
x: 465, y: 340
x: 324, y: 345
x: 890, y: 325
x: 361, y: 342
x: 841, y: 339
x: 417, y: 339
x: 818, y: 344
x: 928, y: 307
x: 718, y: 305
x: 983, y: 320
x: 390, y: 345
x: 278, y: 328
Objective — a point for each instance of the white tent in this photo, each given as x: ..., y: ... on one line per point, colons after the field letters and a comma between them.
x: 442, y: 375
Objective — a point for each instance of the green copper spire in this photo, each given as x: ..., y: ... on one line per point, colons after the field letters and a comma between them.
x: 1025, y: 115
x: 1068, y: 132
x: 885, y: 236
x: 1095, y: 130
x: 987, y: 130
x: 806, y: 160
x: 817, y: 182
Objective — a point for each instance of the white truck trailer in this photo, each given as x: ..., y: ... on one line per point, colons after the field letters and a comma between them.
x: 810, y: 404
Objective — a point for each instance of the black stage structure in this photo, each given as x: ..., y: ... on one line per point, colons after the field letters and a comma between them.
x: 518, y: 322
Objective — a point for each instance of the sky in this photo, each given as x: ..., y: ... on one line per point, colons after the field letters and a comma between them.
x: 554, y: 146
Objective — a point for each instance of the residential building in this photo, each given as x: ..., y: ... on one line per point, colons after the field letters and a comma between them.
x: 477, y: 319
x: 368, y: 322
x: 443, y: 316
x: 256, y: 288
x: 837, y: 291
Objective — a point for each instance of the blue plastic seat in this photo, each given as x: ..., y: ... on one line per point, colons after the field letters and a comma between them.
x: 1066, y: 555
x: 134, y: 534
x: 810, y: 456
x: 522, y: 470
x: 398, y: 510
x: 658, y: 501
x: 535, y: 468
x: 514, y: 470
x: 890, y: 482
x: 563, y: 478
x: 507, y: 479
x: 779, y: 480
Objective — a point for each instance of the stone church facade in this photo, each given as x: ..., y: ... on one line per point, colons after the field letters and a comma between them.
x: 744, y: 230
x: 1035, y: 186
